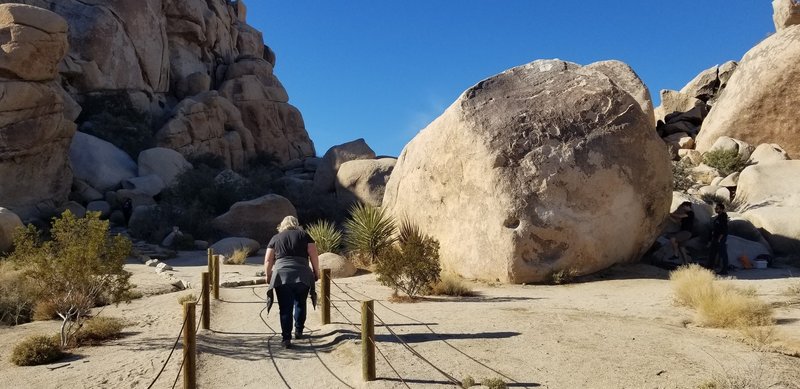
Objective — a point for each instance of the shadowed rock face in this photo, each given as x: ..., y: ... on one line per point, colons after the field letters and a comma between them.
x: 544, y: 167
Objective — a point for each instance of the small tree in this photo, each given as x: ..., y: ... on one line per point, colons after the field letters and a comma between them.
x: 79, y: 267
x: 413, y: 264
x: 369, y: 230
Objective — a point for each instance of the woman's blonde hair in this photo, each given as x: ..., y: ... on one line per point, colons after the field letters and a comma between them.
x: 289, y: 223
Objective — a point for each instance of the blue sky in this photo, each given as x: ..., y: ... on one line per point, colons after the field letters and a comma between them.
x: 383, y: 69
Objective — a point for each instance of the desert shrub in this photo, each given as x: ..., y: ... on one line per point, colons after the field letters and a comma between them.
x: 726, y: 161
x: 130, y: 131
x: 468, y: 382
x: 45, y: 310
x: 184, y: 241
x: 328, y: 239
x: 187, y: 298
x: 412, y: 265
x: 239, y: 257
x: 17, y: 296
x: 681, y: 177
x: 563, y: 276
x: 452, y: 285
x: 153, y: 225
x: 81, y: 265
x: 36, y: 350
x: 494, y: 383
x: 717, y: 304
x: 211, y: 161
x: 369, y: 230
x: 263, y: 159
x: 99, y: 329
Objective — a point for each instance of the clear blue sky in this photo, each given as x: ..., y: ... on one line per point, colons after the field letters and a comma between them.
x: 383, y: 69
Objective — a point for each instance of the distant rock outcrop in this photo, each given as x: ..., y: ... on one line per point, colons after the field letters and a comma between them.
x: 363, y: 181
x: 759, y: 105
x: 786, y: 13
x: 34, y: 132
x: 545, y: 167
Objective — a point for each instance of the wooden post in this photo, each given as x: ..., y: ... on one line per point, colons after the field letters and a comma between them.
x: 215, y: 278
x: 325, y: 296
x: 210, y: 264
x: 367, y: 340
x: 206, y: 323
x: 189, y: 347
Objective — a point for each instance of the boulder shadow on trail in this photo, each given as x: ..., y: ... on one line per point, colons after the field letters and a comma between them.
x: 245, y: 347
x: 433, y: 337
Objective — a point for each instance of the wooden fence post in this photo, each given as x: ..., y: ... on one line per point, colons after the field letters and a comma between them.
x: 367, y: 340
x: 189, y: 347
x: 206, y: 323
x: 325, y: 296
x: 210, y: 264
x: 215, y: 278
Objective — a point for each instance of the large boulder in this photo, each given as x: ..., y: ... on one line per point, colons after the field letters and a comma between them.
x: 760, y: 101
x: 363, y: 181
x: 785, y: 13
x: 325, y: 176
x: 227, y: 246
x: 340, y: 266
x: 531, y: 172
x: 163, y: 162
x: 255, y: 219
x: 9, y: 222
x: 34, y: 41
x: 627, y: 79
x: 99, y: 163
x: 769, y: 197
x: 208, y: 123
x: 34, y: 133
x: 707, y: 85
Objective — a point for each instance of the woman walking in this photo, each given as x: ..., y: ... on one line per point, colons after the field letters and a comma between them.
x: 288, y: 273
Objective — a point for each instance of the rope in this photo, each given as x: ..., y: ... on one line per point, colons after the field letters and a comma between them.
x: 174, y: 346
x: 269, y: 340
x: 438, y: 336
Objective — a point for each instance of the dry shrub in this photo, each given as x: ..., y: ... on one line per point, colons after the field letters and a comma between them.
x: 36, y: 350
x: 494, y: 383
x: 239, y: 257
x: 468, y: 382
x: 99, y: 329
x: 563, y: 276
x: 452, y: 285
x: 187, y: 298
x: 718, y: 305
x: 411, y: 266
x: 17, y: 296
x: 45, y: 310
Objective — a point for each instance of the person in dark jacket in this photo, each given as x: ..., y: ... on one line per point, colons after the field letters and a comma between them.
x: 684, y: 216
x: 719, y: 238
x: 288, y: 273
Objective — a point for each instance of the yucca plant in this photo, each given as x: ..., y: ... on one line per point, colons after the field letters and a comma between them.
x: 326, y: 236
x: 413, y: 264
x: 369, y: 230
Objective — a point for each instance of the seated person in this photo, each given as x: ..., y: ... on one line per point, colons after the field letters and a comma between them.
x: 685, y: 217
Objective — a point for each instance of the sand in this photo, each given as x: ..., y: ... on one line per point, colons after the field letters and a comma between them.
x: 618, y: 330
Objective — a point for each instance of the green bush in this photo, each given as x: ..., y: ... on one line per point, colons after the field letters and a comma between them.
x: 681, y: 177
x: 80, y: 266
x: 36, y: 350
x: 412, y: 265
x: 326, y: 236
x: 99, y: 329
x: 726, y: 161
x: 17, y: 296
x: 369, y: 231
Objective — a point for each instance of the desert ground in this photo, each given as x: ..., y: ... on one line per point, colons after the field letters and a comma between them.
x: 617, y: 329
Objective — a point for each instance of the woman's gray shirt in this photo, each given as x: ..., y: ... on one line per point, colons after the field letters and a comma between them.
x: 291, y: 259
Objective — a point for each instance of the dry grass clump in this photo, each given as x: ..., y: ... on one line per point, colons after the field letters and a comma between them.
x: 468, y: 382
x: 563, y: 276
x: 718, y: 305
x: 494, y: 383
x: 99, y: 329
x: 17, y: 296
x: 187, y: 298
x: 452, y: 285
x: 36, y: 350
x: 239, y: 257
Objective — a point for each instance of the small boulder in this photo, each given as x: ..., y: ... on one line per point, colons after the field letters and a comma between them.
x: 730, y: 181
x: 99, y: 163
x: 83, y: 192
x: 9, y: 222
x: 137, y: 198
x: 766, y: 153
x: 340, y: 266
x: 149, y: 185
x: 227, y: 246
x: 99, y: 206
x: 729, y: 144
x: 76, y: 209
x: 163, y: 162
x: 704, y: 174
x: 162, y: 267
x: 325, y: 176
x: 256, y: 219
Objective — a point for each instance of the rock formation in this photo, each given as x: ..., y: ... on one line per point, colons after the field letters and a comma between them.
x: 34, y: 133
x: 325, y: 176
x: 760, y: 102
x: 527, y: 174
x: 255, y: 219
x: 786, y: 13
x: 363, y: 181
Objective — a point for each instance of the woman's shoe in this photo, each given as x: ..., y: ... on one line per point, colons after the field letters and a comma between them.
x: 286, y: 343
